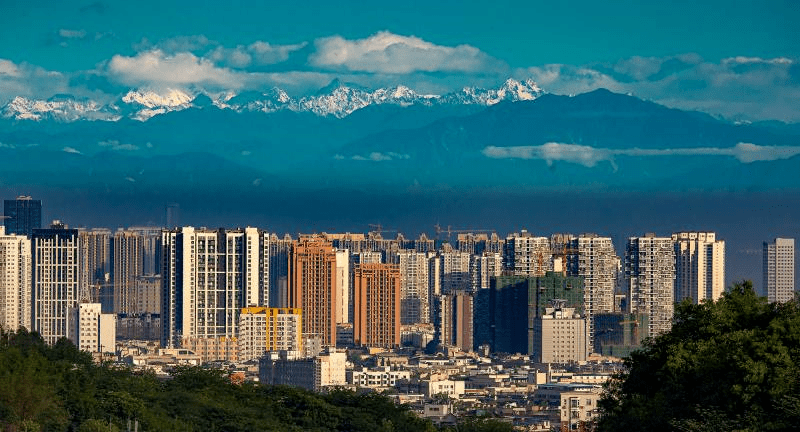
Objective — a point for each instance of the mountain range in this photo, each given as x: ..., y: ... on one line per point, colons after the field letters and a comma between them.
x: 515, y: 137
x: 337, y: 99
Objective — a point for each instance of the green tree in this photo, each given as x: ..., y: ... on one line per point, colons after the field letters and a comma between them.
x: 733, y: 364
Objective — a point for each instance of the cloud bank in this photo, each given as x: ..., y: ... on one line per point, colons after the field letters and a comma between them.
x: 385, y: 52
x: 591, y: 156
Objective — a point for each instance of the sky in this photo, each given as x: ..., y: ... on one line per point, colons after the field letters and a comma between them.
x: 735, y: 59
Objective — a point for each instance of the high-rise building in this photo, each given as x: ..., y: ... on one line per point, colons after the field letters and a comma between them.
x: 90, y: 330
x: 15, y: 281
x: 457, y: 320
x: 504, y: 314
x: 560, y: 337
x: 455, y: 274
x: 23, y: 215
x: 94, y: 248
x: 593, y: 258
x: 343, y: 297
x: 483, y: 268
x: 699, y: 266
x: 280, y: 250
x: 55, y: 278
x: 313, y: 286
x: 414, y: 286
x: 778, y: 270
x: 208, y: 277
x: 376, y: 322
x: 650, y: 273
x: 526, y: 255
x: 263, y: 329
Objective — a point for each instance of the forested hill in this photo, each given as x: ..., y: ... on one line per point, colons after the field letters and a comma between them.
x: 59, y: 389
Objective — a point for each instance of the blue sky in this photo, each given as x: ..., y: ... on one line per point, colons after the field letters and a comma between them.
x: 738, y: 59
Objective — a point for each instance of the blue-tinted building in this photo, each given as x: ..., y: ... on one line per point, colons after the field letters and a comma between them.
x: 22, y: 215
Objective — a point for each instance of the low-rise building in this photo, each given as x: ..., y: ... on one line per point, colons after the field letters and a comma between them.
x: 311, y: 373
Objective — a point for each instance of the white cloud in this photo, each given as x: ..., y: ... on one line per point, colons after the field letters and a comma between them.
x: 71, y: 150
x: 72, y: 34
x: 385, y: 52
x: 157, y: 68
x: 258, y: 53
x: 378, y: 157
x: 116, y: 145
x: 590, y: 156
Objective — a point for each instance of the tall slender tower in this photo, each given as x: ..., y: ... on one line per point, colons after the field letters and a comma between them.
x: 650, y: 273
x: 313, y: 287
x: 377, y: 310
x: 699, y: 266
x: 779, y: 270
x: 23, y: 215
x: 55, y: 280
x: 15, y: 281
x: 414, y: 286
x: 593, y: 258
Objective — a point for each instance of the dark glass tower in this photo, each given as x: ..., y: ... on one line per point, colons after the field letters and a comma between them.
x: 22, y: 215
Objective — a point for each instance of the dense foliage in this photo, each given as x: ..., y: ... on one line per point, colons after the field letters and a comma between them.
x: 59, y: 389
x: 733, y: 364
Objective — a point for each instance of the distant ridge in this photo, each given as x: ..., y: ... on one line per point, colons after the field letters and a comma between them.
x: 337, y: 99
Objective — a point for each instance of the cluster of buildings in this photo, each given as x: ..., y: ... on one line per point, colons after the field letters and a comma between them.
x: 248, y: 295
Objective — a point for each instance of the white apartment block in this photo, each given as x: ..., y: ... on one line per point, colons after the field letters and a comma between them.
x: 527, y: 255
x: 483, y: 268
x: 377, y: 378
x: 699, y: 266
x: 209, y: 276
x: 455, y: 274
x: 779, y: 269
x: 55, y: 279
x: 15, y: 281
x: 414, y: 286
x: 650, y: 273
x: 263, y: 329
x: 92, y: 331
x: 285, y: 368
x: 343, y: 285
x: 593, y: 258
x: 560, y: 336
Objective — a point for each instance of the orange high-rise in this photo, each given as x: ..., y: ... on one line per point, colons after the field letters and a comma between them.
x: 313, y: 287
x: 377, y: 305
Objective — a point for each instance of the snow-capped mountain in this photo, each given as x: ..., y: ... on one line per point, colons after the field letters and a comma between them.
x: 337, y: 100
x: 148, y: 103
x: 62, y: 108
x: 511, y: 90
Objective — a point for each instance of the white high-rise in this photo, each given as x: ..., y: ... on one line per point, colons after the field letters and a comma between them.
x: 56, y: 280
x: 455, y: 276
x: 209, y: 276
x: 593, y: 258
x: 779, y: 270
x: 699, y: 266
x: 650, y: 273
x: 414, y: 286
x: 527, y: 255
x: 15, y: 281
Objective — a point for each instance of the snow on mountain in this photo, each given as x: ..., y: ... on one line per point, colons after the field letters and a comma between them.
x: 337, y: 99
x: 149, y: 103
x: 63, y: 108
x: 511, y: 90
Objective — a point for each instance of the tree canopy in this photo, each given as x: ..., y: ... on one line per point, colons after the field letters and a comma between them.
x: 58, y: 388
x: 733, y: 364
